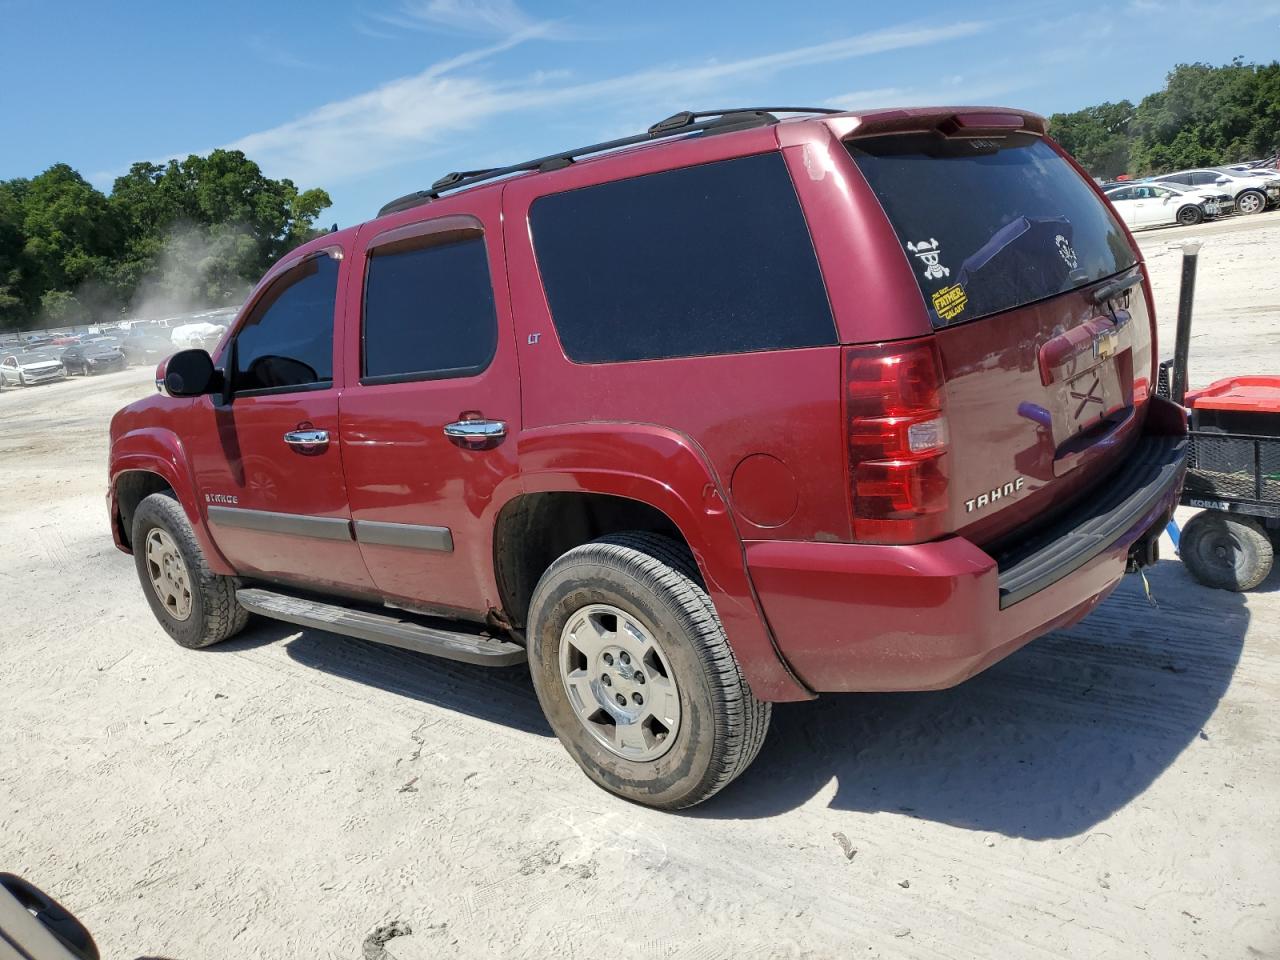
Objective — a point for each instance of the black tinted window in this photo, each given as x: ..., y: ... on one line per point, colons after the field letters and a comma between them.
x: 703, y: 260
x: 990, y: 224
x: 428, y: 312
x: 288, y: 341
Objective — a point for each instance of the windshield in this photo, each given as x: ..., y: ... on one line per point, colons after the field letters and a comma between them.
x: 990, y: 224
x: 25, y: 358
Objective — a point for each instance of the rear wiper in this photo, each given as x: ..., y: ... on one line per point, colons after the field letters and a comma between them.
x: 1110, y: 291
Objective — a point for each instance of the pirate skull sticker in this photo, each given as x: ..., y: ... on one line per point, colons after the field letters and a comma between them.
x: 1066, y: 252
x: 928, y: 253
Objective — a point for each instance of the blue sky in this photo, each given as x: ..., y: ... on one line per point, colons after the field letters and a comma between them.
x: 374, y: 100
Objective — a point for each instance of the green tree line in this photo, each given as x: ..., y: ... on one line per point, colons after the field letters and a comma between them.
x: 1204, y: 116
x: 193, y: 232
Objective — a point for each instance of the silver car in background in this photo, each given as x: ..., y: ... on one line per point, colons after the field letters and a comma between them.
x: 1252, y: 194
x: 26, y: 368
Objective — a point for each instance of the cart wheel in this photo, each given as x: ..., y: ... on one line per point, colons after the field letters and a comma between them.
x: 1226, y: 551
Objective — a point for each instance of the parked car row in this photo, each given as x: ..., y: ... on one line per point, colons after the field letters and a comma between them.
x: 26, y: 361
x: 1189, y: 197
x: 26, y: 367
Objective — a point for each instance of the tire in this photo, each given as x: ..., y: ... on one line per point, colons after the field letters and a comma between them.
x: 653, y: 582
x: 1190, y: 215
x: 213, y: 614
x: 1226, y: 551
x: 1251, y: 201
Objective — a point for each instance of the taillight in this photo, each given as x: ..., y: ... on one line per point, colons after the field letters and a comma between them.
x: 897, y: 441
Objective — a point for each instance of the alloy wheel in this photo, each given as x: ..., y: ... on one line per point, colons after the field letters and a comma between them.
x: 1250, y: 203
x: 168, y: 573
x: 619, y: 682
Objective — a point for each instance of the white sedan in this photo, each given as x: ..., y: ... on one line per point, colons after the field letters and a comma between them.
x: 1155, y: 205
x: 28, y: 368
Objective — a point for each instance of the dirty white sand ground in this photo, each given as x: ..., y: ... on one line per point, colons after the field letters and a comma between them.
x: 1111, y: 791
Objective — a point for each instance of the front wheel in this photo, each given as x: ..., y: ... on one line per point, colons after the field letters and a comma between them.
x: 636, y: 676
x: 195, y: 606
x: 1226, y: 551
x: 1189, y: 216
x: 1251, y: 201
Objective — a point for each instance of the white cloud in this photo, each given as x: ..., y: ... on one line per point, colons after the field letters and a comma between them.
x: 502, y: 18
x: 416, y: 115
x: 945, y: 91
x: 269, y: 51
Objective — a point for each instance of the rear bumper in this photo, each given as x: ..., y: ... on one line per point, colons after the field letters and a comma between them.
x: 863, y: 617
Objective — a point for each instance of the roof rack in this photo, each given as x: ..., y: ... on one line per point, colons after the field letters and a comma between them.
x: 678, y: 124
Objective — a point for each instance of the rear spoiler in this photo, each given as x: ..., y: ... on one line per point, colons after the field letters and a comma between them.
x: 948, y: 121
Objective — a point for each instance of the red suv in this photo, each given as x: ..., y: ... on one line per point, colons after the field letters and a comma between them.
x: 737, y: 411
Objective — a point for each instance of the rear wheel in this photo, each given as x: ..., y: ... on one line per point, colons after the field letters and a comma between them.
x: 1190, y: 215
x: 635, y: 674
x: 1226, y: 551
x: 195, y: 606
x: 1251, y: 201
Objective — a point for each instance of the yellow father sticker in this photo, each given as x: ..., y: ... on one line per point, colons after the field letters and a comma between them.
x: 949, y: 302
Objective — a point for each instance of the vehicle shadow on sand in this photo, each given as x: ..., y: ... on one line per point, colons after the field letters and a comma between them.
x: 1045, y: 744
x: 502, y: 695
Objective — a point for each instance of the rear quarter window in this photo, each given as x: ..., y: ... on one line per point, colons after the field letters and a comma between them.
x: 990, y: 225
x: 711, y: 259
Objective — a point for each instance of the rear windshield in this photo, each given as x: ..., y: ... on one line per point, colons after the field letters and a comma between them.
x: 989, y: 225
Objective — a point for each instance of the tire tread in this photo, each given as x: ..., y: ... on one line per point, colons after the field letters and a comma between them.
x: 742, y: 720
x: 223, y: 615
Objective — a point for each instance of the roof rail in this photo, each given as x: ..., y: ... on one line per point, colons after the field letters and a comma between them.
x: 678, y: 124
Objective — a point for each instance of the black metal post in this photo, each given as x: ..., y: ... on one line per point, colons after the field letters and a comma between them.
x: 1182, y: 339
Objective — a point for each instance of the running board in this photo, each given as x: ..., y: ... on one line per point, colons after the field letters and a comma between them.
x: 463, y: 645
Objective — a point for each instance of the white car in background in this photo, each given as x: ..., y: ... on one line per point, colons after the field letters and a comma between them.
x: 205, y: 335
x: 1214, y: 196
x: 1251, y: 193
x: 25, y: 368
x: 1158, y: 205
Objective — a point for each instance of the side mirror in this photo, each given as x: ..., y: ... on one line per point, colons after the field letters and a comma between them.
x: 190, y: 373
x: 1221, y: 180
x: 39, y: 926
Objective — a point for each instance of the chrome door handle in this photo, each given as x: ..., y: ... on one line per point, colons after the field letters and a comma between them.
x: 475, y: 430
x: 307, y: 438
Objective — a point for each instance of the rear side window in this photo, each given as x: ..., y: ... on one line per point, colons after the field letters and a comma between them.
x: 702, y: 260
x: 287, y: 343
x: 428, y: 313
x: 989, y: 225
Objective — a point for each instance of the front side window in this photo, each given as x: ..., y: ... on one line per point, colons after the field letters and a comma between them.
x: 428, y: 312
x: 287, y: 341
x: 989, y: 225
x: 712, y: 259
